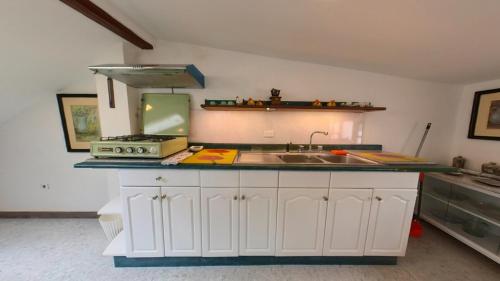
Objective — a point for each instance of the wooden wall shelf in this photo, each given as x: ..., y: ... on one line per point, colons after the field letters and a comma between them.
x: 356, y: 109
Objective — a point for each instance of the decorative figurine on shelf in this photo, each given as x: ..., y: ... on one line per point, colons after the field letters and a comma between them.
x: 275, y: 96
x: 239, y: 101
x: 250, y: 101
x: 331, y: 103
x: 316, y: 103
x: 259, y: 103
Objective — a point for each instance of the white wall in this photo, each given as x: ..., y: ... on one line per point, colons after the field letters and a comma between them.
x: 474, y: 150
x: 33, y: 150
x: 410, y: 103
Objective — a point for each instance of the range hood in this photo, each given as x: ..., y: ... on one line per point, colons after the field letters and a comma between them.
x: 153, y: 75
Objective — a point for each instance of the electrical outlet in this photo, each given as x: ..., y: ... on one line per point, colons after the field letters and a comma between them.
x: 44, y: 186
x: 269, y: 133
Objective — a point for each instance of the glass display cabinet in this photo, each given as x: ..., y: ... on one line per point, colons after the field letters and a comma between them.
x: 464, y: 209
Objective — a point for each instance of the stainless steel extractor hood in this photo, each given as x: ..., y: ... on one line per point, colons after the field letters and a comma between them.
x: 153, y: 75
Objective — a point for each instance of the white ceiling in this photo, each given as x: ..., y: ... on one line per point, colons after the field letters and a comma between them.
x: 453, y: 41
x: 45, y: 46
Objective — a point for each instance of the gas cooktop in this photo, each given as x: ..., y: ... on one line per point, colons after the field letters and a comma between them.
x: 138, y: 146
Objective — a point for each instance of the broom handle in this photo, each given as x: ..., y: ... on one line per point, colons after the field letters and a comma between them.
x: 423, y: 139
x: 421, y: 177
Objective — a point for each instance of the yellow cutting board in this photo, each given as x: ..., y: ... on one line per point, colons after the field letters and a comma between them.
x: 212, y: 156
x: 391, y: 157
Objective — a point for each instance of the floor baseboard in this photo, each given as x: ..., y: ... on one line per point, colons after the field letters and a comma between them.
x: 48, y: 215
x: 250, y: 260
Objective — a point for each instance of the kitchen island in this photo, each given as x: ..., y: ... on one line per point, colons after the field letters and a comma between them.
x: 186, y: 215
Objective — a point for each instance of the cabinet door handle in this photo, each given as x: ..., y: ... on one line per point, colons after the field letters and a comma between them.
x: 378, y: 198
x: 155, y: 197
x: 159, y: 178
x: 325, y: 198
x: 235, y: 197
x: 243, y: 197
x: 164, y: 196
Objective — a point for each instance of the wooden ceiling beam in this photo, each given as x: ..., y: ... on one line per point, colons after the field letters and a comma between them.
x: 95, y: 13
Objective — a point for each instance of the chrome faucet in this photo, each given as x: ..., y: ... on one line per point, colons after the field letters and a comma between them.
x: 311, y: 138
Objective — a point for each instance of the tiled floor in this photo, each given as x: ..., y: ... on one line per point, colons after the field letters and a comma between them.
x: 69, y: 249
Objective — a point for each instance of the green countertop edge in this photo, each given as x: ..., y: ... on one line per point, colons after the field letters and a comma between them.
x: 271, y: 147
x: 375, y: 168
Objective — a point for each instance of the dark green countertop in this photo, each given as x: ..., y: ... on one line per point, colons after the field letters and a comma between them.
x: 121, y: 163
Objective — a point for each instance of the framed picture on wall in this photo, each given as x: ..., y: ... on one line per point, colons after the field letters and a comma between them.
x: 485, y: 117
x: 80, y: 120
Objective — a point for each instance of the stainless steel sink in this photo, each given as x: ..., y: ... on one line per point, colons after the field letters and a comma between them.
x: 305, y: 158
x: 258, y: 158
x: 341, y: 159
x: 299, y: 159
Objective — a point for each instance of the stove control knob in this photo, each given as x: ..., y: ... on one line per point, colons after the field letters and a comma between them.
x: 130, y: 150
x: 118, y: 149
x: 141, y: 150
x: 153, y: 150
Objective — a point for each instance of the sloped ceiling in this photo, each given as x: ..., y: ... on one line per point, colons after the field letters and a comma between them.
x: 47, y: 46
x: 44, y: 47
x: 453, y: 41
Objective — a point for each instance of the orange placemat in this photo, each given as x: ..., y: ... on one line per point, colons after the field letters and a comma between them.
x: 212, y: 156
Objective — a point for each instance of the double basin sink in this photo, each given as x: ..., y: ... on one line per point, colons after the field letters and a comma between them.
x: 301, y: 158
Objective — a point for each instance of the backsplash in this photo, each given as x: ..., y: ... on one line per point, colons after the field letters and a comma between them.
x: 295, y: 127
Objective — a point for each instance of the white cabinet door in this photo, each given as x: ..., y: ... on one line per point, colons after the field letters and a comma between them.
x: 347, y: 222
x: 181, y: 221
x: 219, y: 219
x: 258, y: 221
x: 390, y: 219
x: 142, y: 221
x: 301, y: 221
